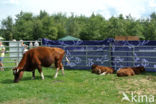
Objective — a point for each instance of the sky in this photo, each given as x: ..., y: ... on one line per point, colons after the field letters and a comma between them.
x: 107, y: 8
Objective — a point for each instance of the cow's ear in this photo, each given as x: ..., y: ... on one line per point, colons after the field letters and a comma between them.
x: 15, y: 70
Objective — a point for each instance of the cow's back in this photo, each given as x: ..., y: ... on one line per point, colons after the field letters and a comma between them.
x: 44, y: 55
x: 125, y: 72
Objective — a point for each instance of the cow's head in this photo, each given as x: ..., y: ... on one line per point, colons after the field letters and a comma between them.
x: 141, y: 68
x: 18, y: 73
x: 93, y: 67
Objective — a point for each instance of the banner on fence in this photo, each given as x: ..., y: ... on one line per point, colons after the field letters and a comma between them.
x: 109, y: 52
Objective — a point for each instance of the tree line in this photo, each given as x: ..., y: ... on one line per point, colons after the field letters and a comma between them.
x: 27, y: 26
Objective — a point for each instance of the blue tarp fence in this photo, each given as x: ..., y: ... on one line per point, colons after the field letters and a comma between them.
x: 116, y: 54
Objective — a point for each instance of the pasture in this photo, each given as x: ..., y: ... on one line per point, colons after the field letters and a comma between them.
x: 75, y: 87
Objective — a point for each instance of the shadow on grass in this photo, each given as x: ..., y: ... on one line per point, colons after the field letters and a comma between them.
x: 30, y: 78
x: 7, y: 81
x: 89, y: 70
x: 37, y: 78
x: 10, y: 81
x: 49, y: 76
x: 149, y: 73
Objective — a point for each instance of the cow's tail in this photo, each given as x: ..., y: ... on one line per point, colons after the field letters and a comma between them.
x: 67, y: 60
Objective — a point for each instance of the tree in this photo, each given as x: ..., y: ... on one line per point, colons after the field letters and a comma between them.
x: 7, y: 28
x: 60, y: 21
x: 93, y: 28
x: 153, y: 16
x: 149, y: 30
x: 49, y: 29
x: 37, y: 27
x: 96, y: 27
x: 42, y: 14
x: 116, y: 26
x: 72, y: 27
x: 24, y: 26
x: 135, y: 28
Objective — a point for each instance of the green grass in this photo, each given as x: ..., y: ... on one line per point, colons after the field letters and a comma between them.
x: 75, y: 87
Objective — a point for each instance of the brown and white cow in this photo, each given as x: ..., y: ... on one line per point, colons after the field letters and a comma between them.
x: 101, y: 70
x: 36, y: 58
x: 130, y: 71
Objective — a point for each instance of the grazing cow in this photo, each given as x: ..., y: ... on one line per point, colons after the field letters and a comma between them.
x: 36, y: 58
x: 102, y: 70
x: 130, y: 71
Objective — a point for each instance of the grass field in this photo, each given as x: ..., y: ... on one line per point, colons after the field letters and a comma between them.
x: 75, y: 87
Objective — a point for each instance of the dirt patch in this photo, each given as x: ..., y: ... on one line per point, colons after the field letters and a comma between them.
x: 138, y: 86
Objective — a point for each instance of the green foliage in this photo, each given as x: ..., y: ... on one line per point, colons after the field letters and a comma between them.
x: 37, y: 29
x: 29, y: 27
x: 23, y: 26
x: 60, y: 24
x: 7, y: 28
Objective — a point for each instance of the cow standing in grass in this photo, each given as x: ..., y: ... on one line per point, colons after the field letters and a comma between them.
x: 36, y: 58
x: 101, y: 70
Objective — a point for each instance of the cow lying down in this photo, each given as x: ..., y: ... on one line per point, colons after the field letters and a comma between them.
x: 101, y: 70
x: 36, y: 58
x: 130, y: 71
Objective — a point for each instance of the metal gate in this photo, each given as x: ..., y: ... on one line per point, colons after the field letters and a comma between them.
x: 83, y: 56
x: 14, y: 51
x: 116, y: 54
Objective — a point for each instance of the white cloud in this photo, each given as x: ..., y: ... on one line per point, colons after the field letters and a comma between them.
x: 87, y: 7
x: 13, y: 2
x: 107, y: 8
x: 152, y: 3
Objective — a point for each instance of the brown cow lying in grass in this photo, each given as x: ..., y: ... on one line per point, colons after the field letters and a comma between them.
x: 101, y: 70
x: 130, y: 71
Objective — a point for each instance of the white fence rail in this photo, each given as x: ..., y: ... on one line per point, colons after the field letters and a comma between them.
x: 14, y: 51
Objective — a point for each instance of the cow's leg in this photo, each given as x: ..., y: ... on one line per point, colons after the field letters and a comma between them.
x: 62, y: 68
x: 33, y: 74
x: 42, y: 75
x: 57, y: 70
x: 40, y: 71
x: 104, y: 73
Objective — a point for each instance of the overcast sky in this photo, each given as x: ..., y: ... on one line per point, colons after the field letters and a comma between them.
x: 107, y: 8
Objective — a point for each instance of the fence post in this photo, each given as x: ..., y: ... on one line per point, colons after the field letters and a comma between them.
x: 133, y: 56
x: 17, y: 53
x: 86, y: 55
x: 41, y: 43
x: 110, y: 55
